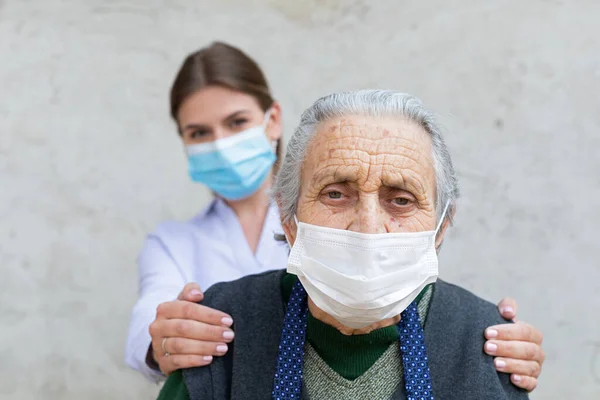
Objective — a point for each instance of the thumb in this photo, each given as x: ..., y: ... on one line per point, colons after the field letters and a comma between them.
x: 508, y: 309
x: 191, y: 292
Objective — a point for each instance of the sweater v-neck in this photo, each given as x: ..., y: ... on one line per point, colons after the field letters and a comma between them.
x: 348, y: 355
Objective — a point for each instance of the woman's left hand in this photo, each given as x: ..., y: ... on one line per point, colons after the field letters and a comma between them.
x: 516, y: 348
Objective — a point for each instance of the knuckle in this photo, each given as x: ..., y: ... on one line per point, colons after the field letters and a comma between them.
x: 178, y: 346
x: 161, y: 309
x: 534, y: 370
x: 181, y: 328
x: 214, y: 331
x: 542, y: 357
x: 188, y: 310
x: 176, y: 362
x: 196, y: 361
x: 508, y: 332
x: 521, y: 331
x: 153, y: 329
x: 529, y: 332
x: 530, y: 352
x: 507, y: 349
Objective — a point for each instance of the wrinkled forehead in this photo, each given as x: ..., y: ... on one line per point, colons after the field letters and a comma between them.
x: 374, y: 136
x: 378, y: 150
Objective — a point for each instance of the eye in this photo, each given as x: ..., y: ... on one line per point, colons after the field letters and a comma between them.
x: 334, y: 195
x: 238, y: 122
x: 401, y: 201
x: 199, y: 133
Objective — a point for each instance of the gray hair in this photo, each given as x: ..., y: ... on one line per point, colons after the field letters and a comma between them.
x: 375, y: 103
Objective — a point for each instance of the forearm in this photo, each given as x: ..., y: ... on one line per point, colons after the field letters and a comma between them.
x: 150, y: 361
x: 160, y: 280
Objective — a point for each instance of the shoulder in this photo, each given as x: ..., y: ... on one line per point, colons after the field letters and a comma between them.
x: 457, y: 310
x: 174, y: 230
x: 255, y: 303
x: 246, y: 292
x: 479, y: 310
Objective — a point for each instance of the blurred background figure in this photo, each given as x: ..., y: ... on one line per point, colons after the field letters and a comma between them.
x: 88, y: 167
x: 231, y: 129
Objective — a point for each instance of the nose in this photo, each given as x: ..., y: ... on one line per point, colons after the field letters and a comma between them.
x: 220, y: 133
x: 369, y: 217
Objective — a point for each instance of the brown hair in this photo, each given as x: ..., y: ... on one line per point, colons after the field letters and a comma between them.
x: 221, y: 65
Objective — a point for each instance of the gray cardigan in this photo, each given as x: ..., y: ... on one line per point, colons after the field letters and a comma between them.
x: 453, y: 335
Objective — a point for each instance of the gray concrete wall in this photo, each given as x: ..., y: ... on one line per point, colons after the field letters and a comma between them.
x: 89, y: 161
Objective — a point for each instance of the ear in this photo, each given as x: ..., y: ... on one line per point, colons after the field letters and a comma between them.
x: 445, y: 224
x: 274, y: 125
x: 289, y: 227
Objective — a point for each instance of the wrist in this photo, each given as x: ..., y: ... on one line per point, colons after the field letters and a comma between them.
x: 151, y: 361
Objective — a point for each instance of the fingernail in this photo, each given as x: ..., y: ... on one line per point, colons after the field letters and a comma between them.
x: 491, y: 348
x: 228, y: 335
x: 207, y: 358
x: 516, y: 378
x: 195, y: 292
x: 222, y: 348
x: 226, y: 321
x: 507, y: 310
x: 491, y: 333
x: 500, y: 364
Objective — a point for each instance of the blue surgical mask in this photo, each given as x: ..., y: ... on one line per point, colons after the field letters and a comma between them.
x: 234, y: 167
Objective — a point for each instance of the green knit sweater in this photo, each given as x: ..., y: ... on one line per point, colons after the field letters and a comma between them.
x: 379, y: 382
x: 349, y: 356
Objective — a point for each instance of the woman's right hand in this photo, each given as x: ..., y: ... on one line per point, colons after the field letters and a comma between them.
x: 186, y: 334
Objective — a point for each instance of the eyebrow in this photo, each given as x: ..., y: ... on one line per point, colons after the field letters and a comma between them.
x: 227, y: 118
x: 345, y: 174
x: 407, y: 183
x: 341, y: 174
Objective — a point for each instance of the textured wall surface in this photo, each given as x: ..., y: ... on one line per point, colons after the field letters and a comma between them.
x: 90, y: 162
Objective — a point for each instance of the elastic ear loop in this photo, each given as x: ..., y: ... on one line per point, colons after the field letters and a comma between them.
x: 266, y: 119
x: 442, y: 218
x: 265, y: 124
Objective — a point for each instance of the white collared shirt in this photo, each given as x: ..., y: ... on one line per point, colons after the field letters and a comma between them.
x: 207, y: 249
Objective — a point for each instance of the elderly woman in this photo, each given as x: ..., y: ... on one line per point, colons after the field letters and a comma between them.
x: 366, y: 193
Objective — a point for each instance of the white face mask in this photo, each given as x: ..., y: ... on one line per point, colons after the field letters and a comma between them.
x: 360, y: 279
